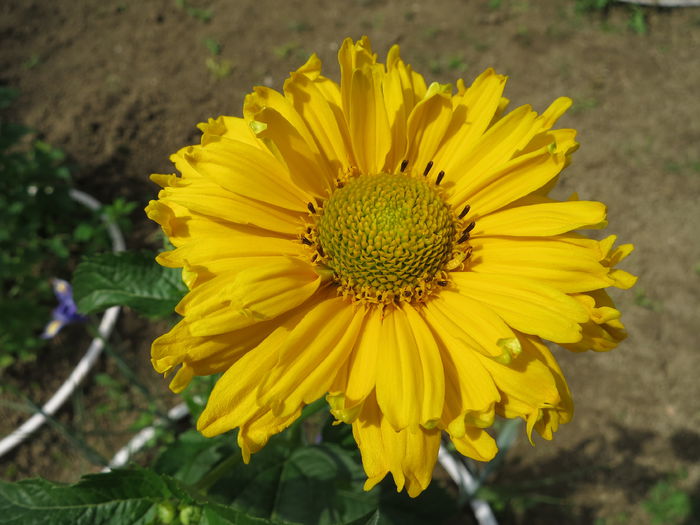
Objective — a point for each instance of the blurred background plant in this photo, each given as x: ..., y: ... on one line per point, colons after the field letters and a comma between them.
x: 43, y: 232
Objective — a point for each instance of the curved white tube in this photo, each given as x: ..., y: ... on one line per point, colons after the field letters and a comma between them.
x: 463, y: 478
x: 664, y: 3
x: 109, y: 318
x: 137, y: 442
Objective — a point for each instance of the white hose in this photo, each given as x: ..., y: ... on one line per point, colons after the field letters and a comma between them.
x: 664, y: 3
x: 107, y: 323
x: 137, y: 442
x: 465, y: 481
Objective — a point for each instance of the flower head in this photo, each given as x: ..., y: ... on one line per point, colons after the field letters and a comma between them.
x: 392, y: 246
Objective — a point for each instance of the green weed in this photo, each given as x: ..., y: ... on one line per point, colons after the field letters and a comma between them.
x: 289, y: 50
x: 683, y: 167
x: 587, y: 6
x: 637, y: 21
x: 584, y: 104
x: 300, y: 26
x: 217, y: 66
x: 621, y: 518
x: 667, y: 504
x: 43, y: 230
x: 213, y: 46
x: 642, y: 299
x: 198, y: 13
x: 33, y: 61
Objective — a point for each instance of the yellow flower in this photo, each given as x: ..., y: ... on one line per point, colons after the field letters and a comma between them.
x: 390, y: 245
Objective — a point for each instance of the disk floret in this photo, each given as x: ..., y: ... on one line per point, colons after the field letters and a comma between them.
x: 386, y: 237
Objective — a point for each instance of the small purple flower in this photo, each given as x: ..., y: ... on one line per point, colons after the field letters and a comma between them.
x: 66, y: 311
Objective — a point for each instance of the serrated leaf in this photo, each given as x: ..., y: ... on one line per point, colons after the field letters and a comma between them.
x: 130, y: 279
x: 289, y: 482
x: 192, y: 455
x: 122, y: 496
x: 133, y: 496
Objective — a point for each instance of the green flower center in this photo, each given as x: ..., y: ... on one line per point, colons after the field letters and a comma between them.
x: 386, y: 235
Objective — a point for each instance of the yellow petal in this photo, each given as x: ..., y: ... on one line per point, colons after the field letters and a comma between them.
x: 368, y: 121
x: 542, y: 219
x: 494, y: 149
x: 402, y: 386
x: 528, y: 306
x: 553, y: 261
x: 506, y: 182
x: 232, y: 128
x: 473, y: 323
x: 200, y: 239
x: 421, y: 451
x: 473, y: 111
x: 413, y: 87
x: 368, y: 434
x: 248, y: 171
x: 310, y: 356
x: 279, y: 124
x: 352, y: 56
x: 476, y: 444
x: 233, y: 400
x: 362, y: 364
x: 604, y: 331
x: 204, y: 355
x: 470, y: 393
x: 427, y: 124
x: 409, y: 455
x: 243, y: 298
x: 535, y: 389
x: 329, y: 131
x: 433, y: 398
x: 531, y: 388
x: 256, y: 432
x: 207, y: 198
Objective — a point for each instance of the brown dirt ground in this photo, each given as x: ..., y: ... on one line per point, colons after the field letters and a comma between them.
x: 119, y: 85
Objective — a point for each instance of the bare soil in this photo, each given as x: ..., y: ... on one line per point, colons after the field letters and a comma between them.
x: 119, y: 85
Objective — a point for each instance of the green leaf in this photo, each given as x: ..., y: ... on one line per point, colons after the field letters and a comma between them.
x: 127, y: 279
x: 192, y: 456
x: 123, y: 496
x: 319, y: 484
x: 434, y: 505
x: 7, y: 96
x: 135, y: 496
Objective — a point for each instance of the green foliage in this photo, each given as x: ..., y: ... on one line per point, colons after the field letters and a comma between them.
x: 130, y: 279
x: 289, y: 50
x: 637, y: 14
x: 43, y: 229
x: 586, y: 6
x: 686, y: 167
x: 118, y: 213
x: 667, y: 504
x: 317, y: 481
x: 33, y: 61
x: 198, y: 13
x: 213, y: 46
x: 135, y: 496
x: 642, y: 299
x: 637, y: 21
x: 218, y: 67
x: 201, y: 481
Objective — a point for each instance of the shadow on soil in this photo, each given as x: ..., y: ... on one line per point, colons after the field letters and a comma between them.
x: 529, y: 495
